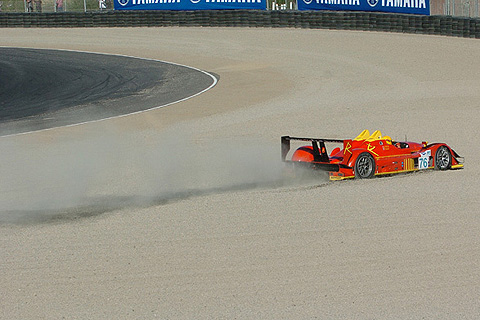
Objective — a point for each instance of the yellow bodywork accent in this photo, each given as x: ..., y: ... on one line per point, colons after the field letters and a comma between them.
x: 347, y: 148
x: 362, y: 136
x: 408, y: 164
x: 370, y: 149
x: 395, y: 172
x: 337, y: 178
x: 457, y: 166
x: 377, y: 135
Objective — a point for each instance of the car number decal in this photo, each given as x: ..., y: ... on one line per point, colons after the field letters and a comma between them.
x: 424, y: 159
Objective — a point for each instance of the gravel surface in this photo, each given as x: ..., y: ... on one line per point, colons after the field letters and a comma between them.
x: 183, y: 212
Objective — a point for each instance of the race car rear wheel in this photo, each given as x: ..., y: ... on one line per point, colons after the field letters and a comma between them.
x: 364, y: 166
x: 443, y: 158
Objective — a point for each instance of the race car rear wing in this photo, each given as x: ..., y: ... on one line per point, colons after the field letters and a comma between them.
x: 321, y: 160
x: 318, y: 145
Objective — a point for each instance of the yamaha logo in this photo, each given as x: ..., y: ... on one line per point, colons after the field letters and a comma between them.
x: 307, y: 1
x: 194, y: 1
x: 123, y: 2
x: 372, y: 3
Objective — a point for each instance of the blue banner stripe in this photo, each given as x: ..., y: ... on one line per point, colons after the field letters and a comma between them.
x: 189, y: 4
x: 421, y: 7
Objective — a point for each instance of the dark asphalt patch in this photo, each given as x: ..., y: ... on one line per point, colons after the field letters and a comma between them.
x: 41, y: 89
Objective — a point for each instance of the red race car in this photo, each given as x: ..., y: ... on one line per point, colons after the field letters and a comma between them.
x: 370, y: 155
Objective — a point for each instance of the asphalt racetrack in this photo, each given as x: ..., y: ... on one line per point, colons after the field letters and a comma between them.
x: 183, y: 212
x: 50, y: 88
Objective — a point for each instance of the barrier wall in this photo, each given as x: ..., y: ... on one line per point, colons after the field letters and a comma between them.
x: 365, y: 21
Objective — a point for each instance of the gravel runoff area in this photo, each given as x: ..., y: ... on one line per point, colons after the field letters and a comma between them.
x: 183, y: 213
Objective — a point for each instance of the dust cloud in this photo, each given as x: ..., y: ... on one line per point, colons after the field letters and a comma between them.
x: 66, y: 178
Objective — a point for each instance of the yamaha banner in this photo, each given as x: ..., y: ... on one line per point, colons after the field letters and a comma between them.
x: 189, y: 4
x: 397, y: 6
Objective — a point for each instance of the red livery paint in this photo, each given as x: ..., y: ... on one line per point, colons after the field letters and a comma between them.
x: 370, y: 155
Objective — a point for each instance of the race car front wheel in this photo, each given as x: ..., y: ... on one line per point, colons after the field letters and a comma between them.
x: 443, y: 158
x: 364, y: 166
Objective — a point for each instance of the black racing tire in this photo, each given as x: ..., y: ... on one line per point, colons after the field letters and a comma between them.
x: 364, y: 166
x: 443, y: 158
